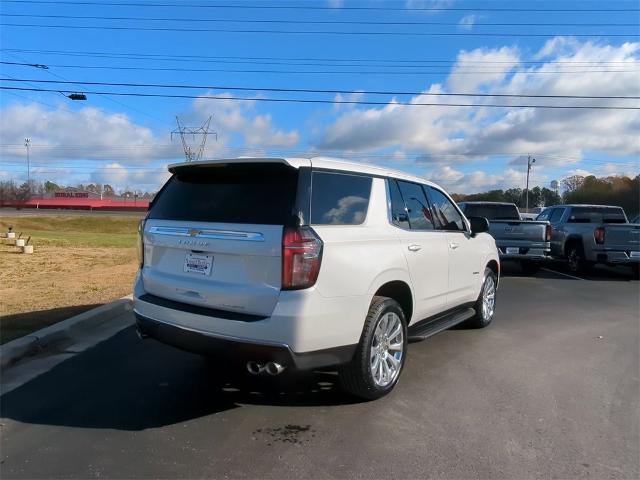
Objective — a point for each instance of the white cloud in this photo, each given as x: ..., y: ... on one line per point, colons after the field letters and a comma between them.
x: 233, y: 118
x: 135, y: 154
x: 478, y: 180
x: 346, y: 97
x: 88, y: 133
x: 472, y: 74
x: 467, y: 22
x: 428, y: 4
x: 120, y: 177
x: 557, y: 136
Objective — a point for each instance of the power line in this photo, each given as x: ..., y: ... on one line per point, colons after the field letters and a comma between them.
x: 198, y: 58
x: 313, y: 32
x: 334, y: 91
x: 315, y: 22
x: 331, y: 72
x: 318, y: 101
x: 320, y: 7
x: 112, y: 100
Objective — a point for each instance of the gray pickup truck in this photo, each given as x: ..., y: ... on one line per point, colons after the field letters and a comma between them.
x: 584, y: 235
x: 524, y: 241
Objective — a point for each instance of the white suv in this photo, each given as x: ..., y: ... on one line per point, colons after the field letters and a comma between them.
x: 309, y: 263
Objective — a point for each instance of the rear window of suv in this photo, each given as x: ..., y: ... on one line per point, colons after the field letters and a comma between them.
x: 339, y: 199
x: 249, y: 193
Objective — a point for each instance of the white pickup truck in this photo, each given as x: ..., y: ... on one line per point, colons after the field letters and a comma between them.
x: 523, y: 241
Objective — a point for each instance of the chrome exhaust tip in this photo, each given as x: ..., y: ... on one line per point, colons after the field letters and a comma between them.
x: 274, y: 368
x: 254, y: 368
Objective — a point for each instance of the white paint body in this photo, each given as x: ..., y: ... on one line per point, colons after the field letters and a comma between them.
x: 356, y: 261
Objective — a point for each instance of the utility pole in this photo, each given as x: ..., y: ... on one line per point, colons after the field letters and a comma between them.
x: 27, y: 144
x: 530, y: 161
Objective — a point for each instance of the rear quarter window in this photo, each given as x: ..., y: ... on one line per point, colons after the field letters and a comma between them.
x: 339, y: 199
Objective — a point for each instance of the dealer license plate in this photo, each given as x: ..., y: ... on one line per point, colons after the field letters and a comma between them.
x: 513, y: 250
x: 198, y: 263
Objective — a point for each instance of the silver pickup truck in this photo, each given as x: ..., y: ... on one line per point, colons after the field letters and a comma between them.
x: 584, y: 235
x: 524, y: 241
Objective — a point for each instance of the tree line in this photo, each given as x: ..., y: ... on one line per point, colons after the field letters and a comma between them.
x: 615, y: 190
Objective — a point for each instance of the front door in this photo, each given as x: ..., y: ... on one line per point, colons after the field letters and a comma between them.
x: 464, y: 270
x: 425, y: 249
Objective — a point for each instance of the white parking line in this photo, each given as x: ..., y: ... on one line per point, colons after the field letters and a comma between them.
x: 560, y: 273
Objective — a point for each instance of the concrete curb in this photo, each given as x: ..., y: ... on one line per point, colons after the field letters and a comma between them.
x: 64, y: 333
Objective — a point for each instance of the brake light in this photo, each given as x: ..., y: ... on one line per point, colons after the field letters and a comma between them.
x: 598, y: 235
x: 548, y: 231
x: 141, y: 243
x: 301, y: 257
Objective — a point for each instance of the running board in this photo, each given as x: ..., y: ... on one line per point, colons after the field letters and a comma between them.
x: 426, y: 330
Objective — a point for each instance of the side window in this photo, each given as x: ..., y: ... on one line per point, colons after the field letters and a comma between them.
x: 556, y: 215
x: 417, y: 206
x: 399, y: 214
x: 544, y: 215
x: 339, y: 199
x: 445, y: 214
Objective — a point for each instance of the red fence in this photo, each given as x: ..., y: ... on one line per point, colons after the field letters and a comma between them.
x: 79, y: 204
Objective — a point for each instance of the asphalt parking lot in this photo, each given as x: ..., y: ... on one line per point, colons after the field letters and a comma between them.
x: 550, y: 389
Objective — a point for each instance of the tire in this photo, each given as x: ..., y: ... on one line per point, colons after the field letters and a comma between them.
x: 635, y: 270
x: 576, y: 262
x: 484, y: 315
x: 357, y: 377
x: 530, y: 267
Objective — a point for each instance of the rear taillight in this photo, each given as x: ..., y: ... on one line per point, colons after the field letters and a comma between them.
x: 301, y: 257
x: 598, y: 235
x: 141, y: 243
x: 548, y: 231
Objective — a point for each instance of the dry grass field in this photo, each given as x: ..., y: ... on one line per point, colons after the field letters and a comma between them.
x: 79, y: 262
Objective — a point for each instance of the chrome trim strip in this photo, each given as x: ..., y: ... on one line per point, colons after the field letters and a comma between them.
x: 207, y: 233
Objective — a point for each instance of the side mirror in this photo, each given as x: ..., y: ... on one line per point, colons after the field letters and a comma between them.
x: 478, y: 225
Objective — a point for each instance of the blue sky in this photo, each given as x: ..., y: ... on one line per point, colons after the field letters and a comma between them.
x: 126, y: 141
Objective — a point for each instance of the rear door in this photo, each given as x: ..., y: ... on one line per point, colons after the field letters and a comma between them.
x: 424, y: 248
x: 213, y: 236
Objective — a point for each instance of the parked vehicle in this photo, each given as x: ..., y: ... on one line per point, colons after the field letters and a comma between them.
x: 286, y: 264
x: 524, y: 241
x: 584, y: 235
x: 531, y: 214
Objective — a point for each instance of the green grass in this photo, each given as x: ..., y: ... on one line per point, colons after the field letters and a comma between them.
x: 86, y: 230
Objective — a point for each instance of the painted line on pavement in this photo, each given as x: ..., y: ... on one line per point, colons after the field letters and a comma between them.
x: 561, y: 273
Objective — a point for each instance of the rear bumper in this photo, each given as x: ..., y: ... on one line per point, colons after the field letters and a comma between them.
x: 524, y: 253
x: 614, y: 257
x: 305, y: 328
x: 240, y: 350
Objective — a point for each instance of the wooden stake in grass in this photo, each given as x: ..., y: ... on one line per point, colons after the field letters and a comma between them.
x: 27, y: 242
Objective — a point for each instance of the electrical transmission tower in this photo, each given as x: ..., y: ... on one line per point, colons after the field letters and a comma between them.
x: 191, y: 153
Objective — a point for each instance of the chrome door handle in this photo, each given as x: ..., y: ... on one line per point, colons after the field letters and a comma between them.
x: 414, y: 247
x: 453, y: 245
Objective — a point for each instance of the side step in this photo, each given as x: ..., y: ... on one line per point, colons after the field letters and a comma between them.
x: 427, y: 329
